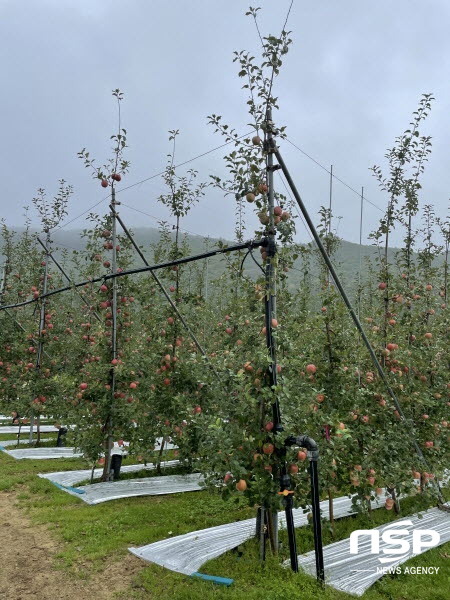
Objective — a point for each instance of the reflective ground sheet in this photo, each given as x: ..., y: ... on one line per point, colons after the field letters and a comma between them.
x: 25, y: 429
x: 9, y: 443
x: 71, y: 478
x: 42, y: 453
x: 123, y: 447
x: 128, y: 488
x: 62, y: 452
x: 354, y: 573
x: 187, y: 553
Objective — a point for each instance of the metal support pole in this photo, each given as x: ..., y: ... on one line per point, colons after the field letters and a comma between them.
x: 311, y: 446
x: 112, y: 373
x: 162, y: 288
x: 2, y: 291
x: 285, y: 482
x: 43, y: 303
x: 359, y: 274
x: 270, y: 297
x: 331, y: 197
x: 317, y: 524
x: 261, y: 532
x: 270, y: 307
x: 40, y: 346
x: 180, y: 261
x: 64, y: 274
x: 352, y: 312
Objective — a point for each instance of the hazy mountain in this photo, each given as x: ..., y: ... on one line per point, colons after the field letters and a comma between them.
x: 347, y: 258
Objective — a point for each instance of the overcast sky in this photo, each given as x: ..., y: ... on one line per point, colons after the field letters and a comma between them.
x: 350, y: 82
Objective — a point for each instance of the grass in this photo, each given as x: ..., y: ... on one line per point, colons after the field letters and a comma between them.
x: 92, y: 534
x: 24, y: 435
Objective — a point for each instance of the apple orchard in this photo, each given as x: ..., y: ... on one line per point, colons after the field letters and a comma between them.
x: 116, y: 361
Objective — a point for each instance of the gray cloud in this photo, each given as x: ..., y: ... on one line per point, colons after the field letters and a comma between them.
x: 349, y: 85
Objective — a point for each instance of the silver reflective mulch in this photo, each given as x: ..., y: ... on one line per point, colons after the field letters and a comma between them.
x: 49, y: 453
x: 42, y: 453
x: 354, y: 573
x: 187, y: 553
x: 8, y: 443
x: 128, y: 488
x: 26, y: 429
x: 71, y: 478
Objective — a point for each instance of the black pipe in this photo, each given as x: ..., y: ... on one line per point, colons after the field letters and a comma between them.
x: 288, y: 501
x: 317, y: 524
x: 116, y: 464
x: 179, y: 261
x: 311, y: 446
x: 60, y: 440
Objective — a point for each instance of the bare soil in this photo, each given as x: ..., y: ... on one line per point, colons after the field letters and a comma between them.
x: 27, y: 564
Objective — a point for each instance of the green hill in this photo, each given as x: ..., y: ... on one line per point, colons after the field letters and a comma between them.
x: 347, y: 259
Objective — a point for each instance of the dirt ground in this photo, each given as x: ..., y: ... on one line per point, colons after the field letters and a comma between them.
x: 27, y: 564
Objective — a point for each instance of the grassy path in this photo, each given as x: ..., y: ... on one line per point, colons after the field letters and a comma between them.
x: 29, y: 567
x: 54, y: 546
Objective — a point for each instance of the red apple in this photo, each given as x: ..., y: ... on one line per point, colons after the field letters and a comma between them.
x: 268, y: 448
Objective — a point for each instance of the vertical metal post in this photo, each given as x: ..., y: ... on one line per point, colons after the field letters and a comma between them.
x: 40, y: 346
x: 43, y: 303
x: 331, y: 197
x: 261, y: 532
x: 288, y: 506
x: 270, y: 297
x: 359, y: 274
x: 3, y: 283
x: 313, y: 456
x: 30, y: 435
x: 270, y: 308
x: 317, y: 524
x: 112, y: 376
x: 353, y: 315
